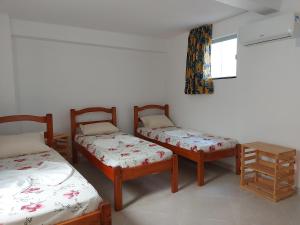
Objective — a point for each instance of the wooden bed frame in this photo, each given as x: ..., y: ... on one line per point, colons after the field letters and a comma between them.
x: 102, y: 216
x: 199, y: 157
x: 119, y: 175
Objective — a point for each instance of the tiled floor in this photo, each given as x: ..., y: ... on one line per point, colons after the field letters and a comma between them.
x: 149, y: 200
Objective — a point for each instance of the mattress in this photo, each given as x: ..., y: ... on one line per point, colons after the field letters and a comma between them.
x: 112, y: 151
x: 39, y: 202
x: 188, y: 139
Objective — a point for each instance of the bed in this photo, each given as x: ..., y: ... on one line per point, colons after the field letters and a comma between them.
x: 34, y: 194
x: 193, y: 145
x: 121, y: 162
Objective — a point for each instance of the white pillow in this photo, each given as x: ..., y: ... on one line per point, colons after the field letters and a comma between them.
x: 21, y: 144
x: 156, y: 121
x: 98, y: 128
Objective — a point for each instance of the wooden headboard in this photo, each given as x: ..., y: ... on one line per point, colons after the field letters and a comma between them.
x: 138, y: 109
x: 75, y: 113
x: 47, y: 119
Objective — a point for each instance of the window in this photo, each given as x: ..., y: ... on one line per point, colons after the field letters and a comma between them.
x: 223, y: 57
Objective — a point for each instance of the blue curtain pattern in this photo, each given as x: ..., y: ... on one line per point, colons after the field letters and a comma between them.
x: 198, y: 63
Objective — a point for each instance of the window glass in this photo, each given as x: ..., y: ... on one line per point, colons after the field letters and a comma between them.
x: 223, y: 57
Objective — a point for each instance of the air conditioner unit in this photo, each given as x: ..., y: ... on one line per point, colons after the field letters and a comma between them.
x: 273, y: 28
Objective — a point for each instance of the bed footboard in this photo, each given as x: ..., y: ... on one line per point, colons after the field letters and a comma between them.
x: 102, y: 216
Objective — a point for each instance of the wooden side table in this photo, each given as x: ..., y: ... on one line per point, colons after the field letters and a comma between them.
x: 268, y: 170
x: 62, y: 146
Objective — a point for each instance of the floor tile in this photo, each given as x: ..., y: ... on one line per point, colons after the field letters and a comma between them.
x: 148, y: 200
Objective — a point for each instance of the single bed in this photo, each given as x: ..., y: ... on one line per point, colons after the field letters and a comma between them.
x: 122, y: 161
x: 193, y: 145
x: 36, y: 195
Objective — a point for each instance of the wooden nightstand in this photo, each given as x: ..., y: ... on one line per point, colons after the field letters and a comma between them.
x: 62, y: 146
x: 268, y: 170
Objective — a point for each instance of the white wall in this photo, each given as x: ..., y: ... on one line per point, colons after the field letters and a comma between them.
x: 262, y: 103
x: 59, y: 67
x: 78, y: 35
x: 54, y: 77
x: 7, y: 86
x: 290, y: 5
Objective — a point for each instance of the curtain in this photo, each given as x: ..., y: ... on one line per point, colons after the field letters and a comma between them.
x: 198, y: 63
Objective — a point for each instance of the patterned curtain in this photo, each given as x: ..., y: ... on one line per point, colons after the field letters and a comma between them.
x: 198, y: 66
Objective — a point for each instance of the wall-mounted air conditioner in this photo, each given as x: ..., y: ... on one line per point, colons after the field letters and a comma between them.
x: 273, y: 28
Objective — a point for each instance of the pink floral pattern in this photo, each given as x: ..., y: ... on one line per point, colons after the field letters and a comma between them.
x: 24, y: 168
x: 32, y: 207
x: 189, y: 140
x: 19, y: 160
x: 71, y: 194
x: 125, y: 155
x: 32, y: 190
x: 42, y: 204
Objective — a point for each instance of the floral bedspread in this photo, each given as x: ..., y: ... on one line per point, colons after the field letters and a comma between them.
x: 188, y: 139
x: 124, y: 155
x: 41, y: 204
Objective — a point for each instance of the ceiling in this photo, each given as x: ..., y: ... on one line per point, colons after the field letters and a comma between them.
x: 157, y: 18
x: 263, y: 7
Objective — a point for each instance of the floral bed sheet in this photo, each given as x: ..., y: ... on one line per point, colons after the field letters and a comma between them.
x: 120, y: 149
x: 188, y: 139
x: 40, y: 203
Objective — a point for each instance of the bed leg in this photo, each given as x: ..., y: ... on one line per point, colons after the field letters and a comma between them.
x: 200, y: 169
x: 105, y: 217
x: 74, y: 154
x: 174, y: 174
x: 238, y: 159
x: 118, y: 188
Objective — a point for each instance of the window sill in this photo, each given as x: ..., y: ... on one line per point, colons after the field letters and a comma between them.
x: 224, y: 78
